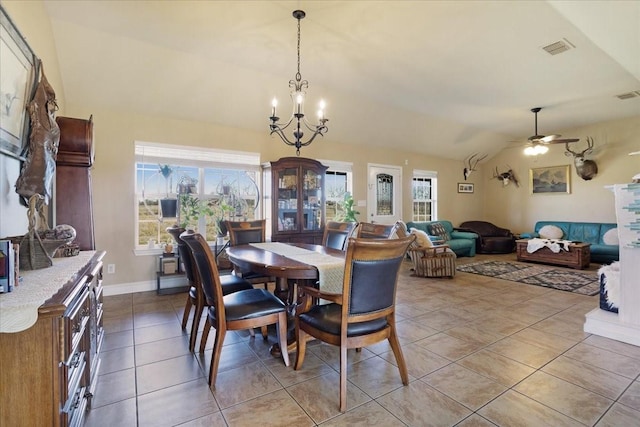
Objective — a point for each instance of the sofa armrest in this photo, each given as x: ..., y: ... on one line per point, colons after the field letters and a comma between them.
x: 530, y: 235
x: 463, y: 235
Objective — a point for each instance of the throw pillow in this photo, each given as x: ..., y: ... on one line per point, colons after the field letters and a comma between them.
x: 611, y: 237
x: 422, y: 238
x: 551, y: 232
x: 438, y: 229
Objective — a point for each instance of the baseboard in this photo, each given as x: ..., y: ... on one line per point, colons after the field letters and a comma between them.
x: 145, y: 286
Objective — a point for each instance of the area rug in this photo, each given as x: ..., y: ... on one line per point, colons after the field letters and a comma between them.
x: 580, y: 282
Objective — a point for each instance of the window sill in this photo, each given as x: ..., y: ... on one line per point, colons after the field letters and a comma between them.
x: 147, y: 251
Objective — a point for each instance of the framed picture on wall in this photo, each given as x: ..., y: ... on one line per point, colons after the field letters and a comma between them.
x: 17, y: 81
x: 465, y: 187
x: 551, y: 179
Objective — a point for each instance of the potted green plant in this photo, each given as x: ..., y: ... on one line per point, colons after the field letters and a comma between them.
x: 349, y: 214
x: 168, y: 205
x: 191, y: 209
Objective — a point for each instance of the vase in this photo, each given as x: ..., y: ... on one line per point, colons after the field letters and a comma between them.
x: 168, y: 208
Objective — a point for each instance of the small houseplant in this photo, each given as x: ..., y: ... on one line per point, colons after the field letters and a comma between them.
x: 168, y: 206
x: 349, y: 214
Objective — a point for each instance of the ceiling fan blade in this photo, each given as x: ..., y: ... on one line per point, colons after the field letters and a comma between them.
x: 564, y: 141
x: 547, y: 139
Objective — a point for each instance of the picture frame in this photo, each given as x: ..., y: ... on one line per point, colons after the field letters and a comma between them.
x: 465, y: 187
x: 550, y: 180
x: 17, y: 81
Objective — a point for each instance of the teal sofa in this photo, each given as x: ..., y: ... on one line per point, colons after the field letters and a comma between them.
x: 587, y: 232
x: 463, y: 243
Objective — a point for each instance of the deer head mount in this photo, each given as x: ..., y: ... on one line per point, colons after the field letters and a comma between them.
x: 506, y: 177
x: 586, y: 169
x: 470, y: 164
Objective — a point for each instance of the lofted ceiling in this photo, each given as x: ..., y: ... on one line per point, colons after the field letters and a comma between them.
x: 443, y: 78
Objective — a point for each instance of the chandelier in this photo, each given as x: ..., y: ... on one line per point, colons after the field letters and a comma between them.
x: 297, y: 119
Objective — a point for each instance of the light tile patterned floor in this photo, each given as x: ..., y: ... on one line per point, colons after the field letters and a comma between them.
x: 480, y: 352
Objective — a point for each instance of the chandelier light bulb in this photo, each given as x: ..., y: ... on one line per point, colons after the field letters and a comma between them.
x: 274, y: 104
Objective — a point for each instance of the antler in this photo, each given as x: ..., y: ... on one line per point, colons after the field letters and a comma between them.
x: 587, y: 150
x: 471, y: 165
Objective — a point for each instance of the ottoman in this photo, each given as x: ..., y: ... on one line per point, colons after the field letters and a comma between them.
x: 436, y: 261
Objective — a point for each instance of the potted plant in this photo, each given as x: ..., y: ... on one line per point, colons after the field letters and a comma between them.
x: 168, y: 206
x: 350, y: 213
x: 191, y: 209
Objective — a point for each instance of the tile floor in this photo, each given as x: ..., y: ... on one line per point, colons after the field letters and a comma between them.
x: 480, y: 352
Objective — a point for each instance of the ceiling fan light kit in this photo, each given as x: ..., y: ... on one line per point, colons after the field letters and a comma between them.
x: 539, y: 141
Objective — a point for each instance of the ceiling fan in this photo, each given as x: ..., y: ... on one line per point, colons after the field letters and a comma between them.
x: 549, y: 139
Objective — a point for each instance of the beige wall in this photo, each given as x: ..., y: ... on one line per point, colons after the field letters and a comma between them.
x: 113, y: 175
x: 518, y: 209
x: 113, y: 172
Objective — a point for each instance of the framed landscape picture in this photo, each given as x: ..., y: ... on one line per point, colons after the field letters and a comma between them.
x: 551, y: 179
x: 465, y: 187
x: 17, y: 80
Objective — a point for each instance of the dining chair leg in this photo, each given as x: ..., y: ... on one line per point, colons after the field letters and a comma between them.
x: 397, y: 352
x: 205, y: 335
x: 301, y: 345
x: 187, y: 311
x: 343, y: 378
x: 215, y: 356
x: 281, y: 327
x: 197, y: 315
x: 265, y: 332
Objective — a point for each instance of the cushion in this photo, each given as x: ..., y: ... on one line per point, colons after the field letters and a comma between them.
x: 550, y: 232
x: 438, y: 229
x: 422, y: 238
x: 611, y: 237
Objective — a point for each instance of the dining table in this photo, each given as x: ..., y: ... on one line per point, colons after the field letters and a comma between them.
x: 291, y: 264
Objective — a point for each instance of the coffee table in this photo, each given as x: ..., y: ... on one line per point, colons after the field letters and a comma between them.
x: 578, y: 256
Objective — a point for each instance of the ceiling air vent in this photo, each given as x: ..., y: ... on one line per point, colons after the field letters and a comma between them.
x: 629, y: 95
x: 558, y: 47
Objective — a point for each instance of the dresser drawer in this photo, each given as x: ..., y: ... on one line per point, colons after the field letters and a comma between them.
x: 75, y: 322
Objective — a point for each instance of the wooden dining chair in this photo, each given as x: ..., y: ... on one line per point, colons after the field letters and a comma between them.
x: 245, y: 232
x: 364, y: 313
x: 336, y: 234
x: 195, y: 297
x: 368, y: 230
x: 246, y: 309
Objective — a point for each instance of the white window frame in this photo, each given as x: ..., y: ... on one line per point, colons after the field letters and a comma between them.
x: 182, y: 155
x: 433, y: 177
x: 339, y: 167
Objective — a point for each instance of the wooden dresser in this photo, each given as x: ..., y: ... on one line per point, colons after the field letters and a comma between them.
x: 50, y: 337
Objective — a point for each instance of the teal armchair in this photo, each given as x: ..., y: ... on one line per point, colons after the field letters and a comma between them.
x: 463, y: 243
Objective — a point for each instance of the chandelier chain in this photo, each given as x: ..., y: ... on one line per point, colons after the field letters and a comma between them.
x: 298, y: 75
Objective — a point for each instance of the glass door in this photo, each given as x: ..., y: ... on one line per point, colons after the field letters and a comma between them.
x: 287, y: 200
x: 311, y: 200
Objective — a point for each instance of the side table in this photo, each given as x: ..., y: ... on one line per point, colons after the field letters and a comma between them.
x: 169, y: 266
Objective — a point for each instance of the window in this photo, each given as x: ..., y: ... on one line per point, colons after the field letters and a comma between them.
x: 337, y: 184
x: 424, y: 191
x: 214, y: 185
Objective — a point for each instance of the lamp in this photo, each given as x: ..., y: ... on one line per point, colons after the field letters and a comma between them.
x: 298, y: 119
x: 535, y: 150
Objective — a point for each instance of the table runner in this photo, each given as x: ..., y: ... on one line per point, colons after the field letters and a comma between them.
x: 330, y: 268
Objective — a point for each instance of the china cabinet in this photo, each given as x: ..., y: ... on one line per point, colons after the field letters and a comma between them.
x: 295, y: 205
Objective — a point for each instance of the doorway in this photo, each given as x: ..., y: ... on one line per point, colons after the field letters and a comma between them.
x: 384, y: 194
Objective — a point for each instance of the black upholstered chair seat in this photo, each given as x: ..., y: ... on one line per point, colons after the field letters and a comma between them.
x: 328, y: 318
x: 230, y: 284
x: 249, y: 304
